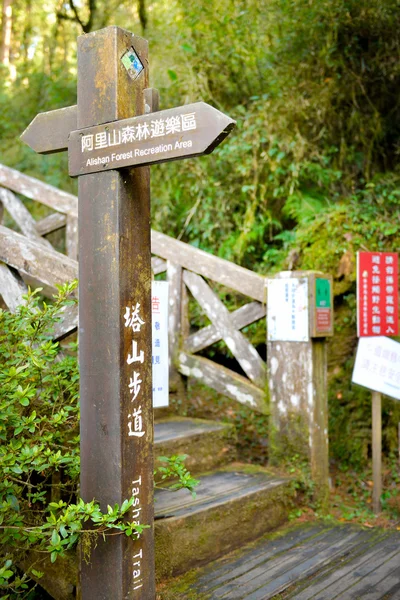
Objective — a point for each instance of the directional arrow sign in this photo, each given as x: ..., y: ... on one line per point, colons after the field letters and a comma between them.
x: 181, y: 132
x: 49, y: 131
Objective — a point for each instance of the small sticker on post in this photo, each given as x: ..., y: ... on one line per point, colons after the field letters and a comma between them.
x: 132, y: 63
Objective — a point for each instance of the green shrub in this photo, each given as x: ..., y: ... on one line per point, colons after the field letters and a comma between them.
x: 40, y: 510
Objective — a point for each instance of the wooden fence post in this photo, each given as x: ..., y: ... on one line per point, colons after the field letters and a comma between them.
x: 299, y: 318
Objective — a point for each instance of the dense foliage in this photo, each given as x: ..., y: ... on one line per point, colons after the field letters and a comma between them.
x: 311, y: 173
x: 41, y: 513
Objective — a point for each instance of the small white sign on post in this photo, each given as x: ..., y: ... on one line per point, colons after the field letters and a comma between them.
x: 159, y: 309
x: 287, y: 313
x: 377, y: 365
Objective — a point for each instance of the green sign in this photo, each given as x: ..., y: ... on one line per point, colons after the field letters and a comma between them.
x: 322, y: 293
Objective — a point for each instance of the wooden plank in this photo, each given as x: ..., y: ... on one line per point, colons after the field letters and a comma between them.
x: 33, y: 259
x: 222, y: 271
x: 174, y: 278
x: 166, y: 431
x: 272, y: 567
x: 151, y: 100
x: 310, y: 563
x: 68, y: 323
x: 37, y: 190
x: 379, y: 581
x: 216, y: 575
x: 71, y: 237
x: 338, y: 580
x: 222, y: 380
x: 214, y: 489
x: 185, y: 318
x: 158, y: 265
x: 246, y: 355
x: 21, y: 215
x: 51, y: 223
x: 243, y: 316
x: 49, y: 131
x: 12, y: 288
x: 266, y: 581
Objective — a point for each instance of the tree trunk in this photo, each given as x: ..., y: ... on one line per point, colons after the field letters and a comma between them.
x: 6, y: 23
x: 142, y: 14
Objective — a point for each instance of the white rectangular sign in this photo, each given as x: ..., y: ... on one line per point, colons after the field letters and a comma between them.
x: 377, y: 365
x: 159, y: 310
x: 287, y: 313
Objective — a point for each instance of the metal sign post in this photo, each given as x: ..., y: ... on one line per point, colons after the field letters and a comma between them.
x: 115, y: 282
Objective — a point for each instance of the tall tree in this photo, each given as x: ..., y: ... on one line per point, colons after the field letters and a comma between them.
x: 6, y: 25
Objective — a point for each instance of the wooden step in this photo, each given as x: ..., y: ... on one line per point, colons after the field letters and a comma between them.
x: 208, y: 444
x: 311, y: 561
x: 232, y: 506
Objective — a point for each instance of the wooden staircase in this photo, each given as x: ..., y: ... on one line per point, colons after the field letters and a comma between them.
x: 235, y: 503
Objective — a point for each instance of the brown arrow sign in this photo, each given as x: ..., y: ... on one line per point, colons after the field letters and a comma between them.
x: 49, y: 131
x: 181, y: 132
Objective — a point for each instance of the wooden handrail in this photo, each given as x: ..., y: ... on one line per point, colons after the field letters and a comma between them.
x: 187, y: 267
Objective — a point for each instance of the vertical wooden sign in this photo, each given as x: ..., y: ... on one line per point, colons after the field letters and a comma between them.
x: 115, y: 322
x: 115, y: 281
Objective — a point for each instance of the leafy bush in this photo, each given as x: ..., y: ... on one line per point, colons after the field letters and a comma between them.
x: 39, y: 446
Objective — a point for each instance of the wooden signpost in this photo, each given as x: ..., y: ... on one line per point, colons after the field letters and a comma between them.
x: 115, y: 281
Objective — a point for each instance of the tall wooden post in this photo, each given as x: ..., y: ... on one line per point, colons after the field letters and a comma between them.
x: 116, y: 131
x: 300, y: 316
x: 115, y: 324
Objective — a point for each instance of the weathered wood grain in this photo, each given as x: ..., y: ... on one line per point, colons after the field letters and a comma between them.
x: 174, y: 278
x: 222, y: 380
x: 33, y: 259
x: 268, y: 580
x: 216, y: 574
x: 222, y: 271
x: 67, y: 324
x: 185, y: 318
x: 21, y: 215
x: 360, y: 569
x: 243, y: 316
x: 12, y: 288
x: 158, y: 265
x: 37, y: 190
x: 341, y: 562
x: 50, y: 223
x: 71, y: 237
x: 49, y: 131
x: 246, y: 355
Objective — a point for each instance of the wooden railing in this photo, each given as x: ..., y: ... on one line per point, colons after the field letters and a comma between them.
x: 29, y: 258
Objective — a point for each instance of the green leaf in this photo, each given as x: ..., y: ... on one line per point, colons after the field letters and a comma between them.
x: 172, y: 75
x: 55, y: 538
x: 37, y: 574
x: 187, y: 48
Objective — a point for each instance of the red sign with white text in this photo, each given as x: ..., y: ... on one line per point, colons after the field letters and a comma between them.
x: 377, y: 294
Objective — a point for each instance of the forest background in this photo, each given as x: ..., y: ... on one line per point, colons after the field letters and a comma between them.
x: 311, y: 174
